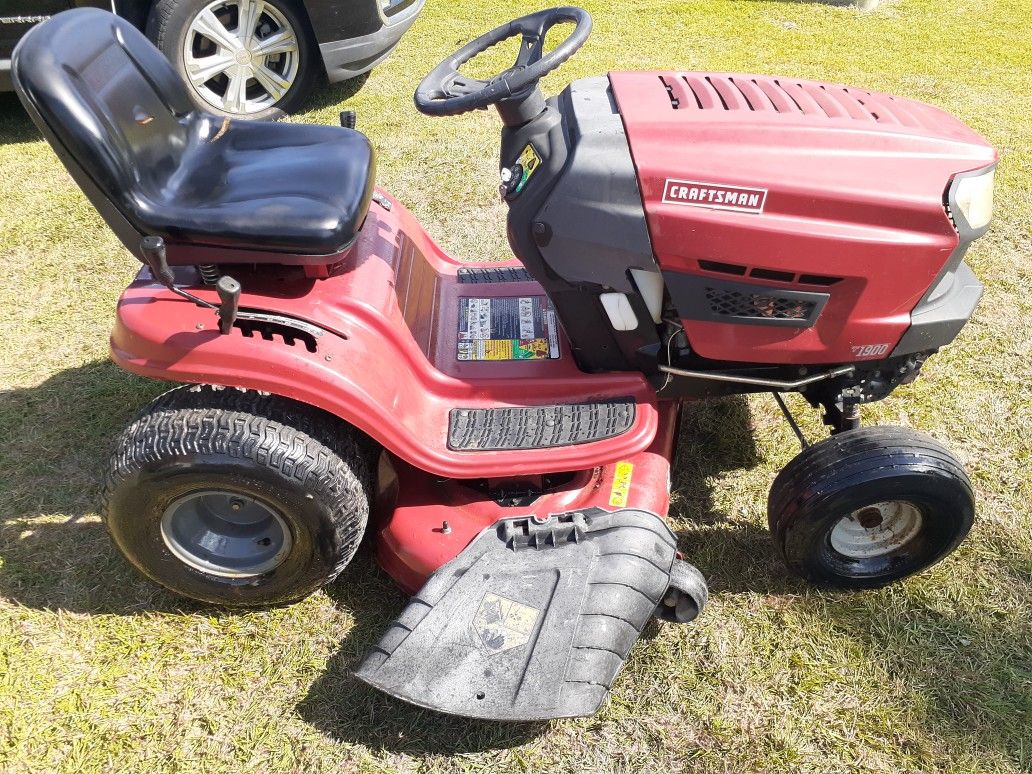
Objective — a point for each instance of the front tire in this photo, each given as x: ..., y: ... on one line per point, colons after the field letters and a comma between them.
x: 869, y: 506
x: 238, y: 58
x: 236, y: 498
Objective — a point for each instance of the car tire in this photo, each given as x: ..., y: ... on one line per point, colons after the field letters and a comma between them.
x: 869, y: 506
x: 238, y: 498
x: 174, y: 27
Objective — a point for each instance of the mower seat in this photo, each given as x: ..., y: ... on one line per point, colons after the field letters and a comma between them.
x: 217, y: 191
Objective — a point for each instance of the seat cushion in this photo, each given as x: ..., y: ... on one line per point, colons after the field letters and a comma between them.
x: 272, y: 187
x: 119, y: 117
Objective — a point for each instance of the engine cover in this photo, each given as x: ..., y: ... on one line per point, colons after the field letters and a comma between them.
x: 794, y: 221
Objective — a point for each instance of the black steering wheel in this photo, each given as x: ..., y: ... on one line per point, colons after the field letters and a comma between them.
x: 446, y: 92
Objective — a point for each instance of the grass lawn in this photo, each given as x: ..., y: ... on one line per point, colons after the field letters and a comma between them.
x: 101, y: 670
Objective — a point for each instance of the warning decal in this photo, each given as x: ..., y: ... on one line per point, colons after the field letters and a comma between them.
x: 521, y: 328
x: 503, y: 623
x: 621, y: 484
x: 529, y: 162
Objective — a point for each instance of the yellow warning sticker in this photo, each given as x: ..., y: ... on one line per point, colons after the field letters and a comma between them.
x: 529, y: 162
x: 621, y: 484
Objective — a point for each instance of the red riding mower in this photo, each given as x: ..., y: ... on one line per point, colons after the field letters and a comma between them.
x: 505, y: 430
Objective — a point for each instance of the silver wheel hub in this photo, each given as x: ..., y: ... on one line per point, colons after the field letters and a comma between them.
x: 224, y: 533
x: 876, y: 530
x: 241, y: 56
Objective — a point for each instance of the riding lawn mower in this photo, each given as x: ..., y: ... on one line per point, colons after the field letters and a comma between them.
x: 503, y: 432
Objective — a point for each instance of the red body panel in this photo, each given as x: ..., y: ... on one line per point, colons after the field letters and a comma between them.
x: 413, y: 508
x: 387, y: 362
x: 849, y: 184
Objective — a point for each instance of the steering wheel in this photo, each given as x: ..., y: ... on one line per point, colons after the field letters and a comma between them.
x: 446, y: 92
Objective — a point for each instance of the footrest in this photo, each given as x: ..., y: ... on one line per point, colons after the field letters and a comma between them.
x: 531, y: 621
x: 493, y: 274
x: 538, y: 427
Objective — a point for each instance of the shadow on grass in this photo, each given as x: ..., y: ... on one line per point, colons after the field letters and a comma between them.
x: 734, y: 554
x: 55, y: 439
x: 15, y: 124
x: 328, y: 95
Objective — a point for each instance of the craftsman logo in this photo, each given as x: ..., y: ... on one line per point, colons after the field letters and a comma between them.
x: 502, y: 624
x: 714, y: 196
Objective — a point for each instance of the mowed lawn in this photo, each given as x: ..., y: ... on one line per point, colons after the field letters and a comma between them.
x: 100, y: 670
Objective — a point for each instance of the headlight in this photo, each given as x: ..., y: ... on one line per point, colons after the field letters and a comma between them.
x: 973, y: 196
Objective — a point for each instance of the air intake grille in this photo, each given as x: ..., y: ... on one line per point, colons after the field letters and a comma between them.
x: 734, y: 303
x: 759, y: 94
x: 697, y: 297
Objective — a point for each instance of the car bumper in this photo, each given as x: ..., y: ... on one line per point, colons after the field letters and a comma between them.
x: 349, y: 58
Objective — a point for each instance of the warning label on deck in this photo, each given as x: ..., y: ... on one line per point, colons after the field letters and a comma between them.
x: 520, y: 328
x: 621, y: 484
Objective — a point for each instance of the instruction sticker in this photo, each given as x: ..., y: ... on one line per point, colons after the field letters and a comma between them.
x: 520, y: 328
x: 529, y: 161
x: 621, y: 484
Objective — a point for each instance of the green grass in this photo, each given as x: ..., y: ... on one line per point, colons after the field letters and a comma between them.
x: 100, y: 670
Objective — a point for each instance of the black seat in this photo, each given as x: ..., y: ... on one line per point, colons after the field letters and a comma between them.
x: 218, y: 191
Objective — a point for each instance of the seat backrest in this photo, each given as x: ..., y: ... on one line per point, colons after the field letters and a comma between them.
x: 91, y: 82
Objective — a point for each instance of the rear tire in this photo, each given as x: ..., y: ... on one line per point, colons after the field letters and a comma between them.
x: 173, y: 27
x: 237, y: 498
x: 869, y: 506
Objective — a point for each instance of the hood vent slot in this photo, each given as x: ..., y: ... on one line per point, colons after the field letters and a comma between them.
x: 760, y: 94
x: 774, y: 275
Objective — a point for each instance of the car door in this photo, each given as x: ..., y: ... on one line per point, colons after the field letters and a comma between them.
x: 19, y: 16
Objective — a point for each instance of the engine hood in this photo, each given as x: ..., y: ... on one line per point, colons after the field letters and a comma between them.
x: 786, y: 177
x: 804, y: 142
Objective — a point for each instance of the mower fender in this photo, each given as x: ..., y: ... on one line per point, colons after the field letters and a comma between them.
x: 375, y: 380
x: 532, y: 621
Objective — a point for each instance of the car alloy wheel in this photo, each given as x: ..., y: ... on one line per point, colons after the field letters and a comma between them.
x: 241, y: 56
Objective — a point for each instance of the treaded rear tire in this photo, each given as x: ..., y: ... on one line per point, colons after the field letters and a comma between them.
x: 296, y: 459
x: 854, y: 470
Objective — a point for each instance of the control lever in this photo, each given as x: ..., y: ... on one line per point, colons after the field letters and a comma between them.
x: 153, y: 249
x: 229, y: 294
x: 154, y: 253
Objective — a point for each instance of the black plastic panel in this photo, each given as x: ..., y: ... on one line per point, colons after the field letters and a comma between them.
x: 595, y: 212
x: 531, y: 621
x: 706, y: 298
x: 538, y: 427
x: 489, y: 275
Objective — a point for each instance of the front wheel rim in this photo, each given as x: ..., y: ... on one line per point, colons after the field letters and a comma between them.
x: 877, y: 530
x: 226, y: 534
x: 241, y: 56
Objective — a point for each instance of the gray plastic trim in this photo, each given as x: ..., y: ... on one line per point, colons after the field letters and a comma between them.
x: 953, y: 296
x: 350, y: 58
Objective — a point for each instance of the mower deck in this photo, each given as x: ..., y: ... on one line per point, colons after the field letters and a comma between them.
x: 429, y: 356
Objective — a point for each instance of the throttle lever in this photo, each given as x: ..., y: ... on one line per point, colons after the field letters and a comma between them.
x: 229, y: 295
x: 153, y: 249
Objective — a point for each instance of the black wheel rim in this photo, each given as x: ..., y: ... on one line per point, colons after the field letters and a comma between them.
x: 226, y: 534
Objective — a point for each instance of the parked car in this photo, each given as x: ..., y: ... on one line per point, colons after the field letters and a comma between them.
x: 245, y: 58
